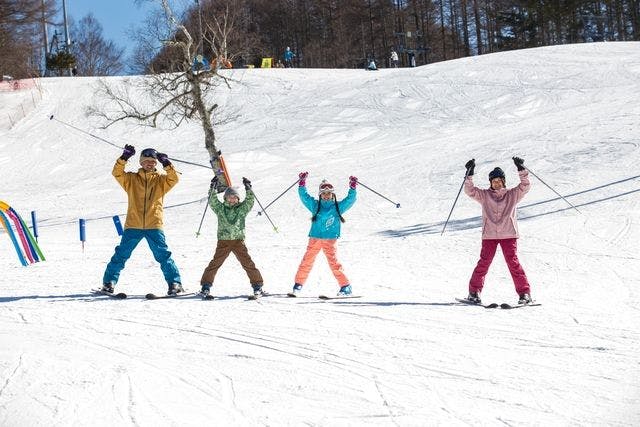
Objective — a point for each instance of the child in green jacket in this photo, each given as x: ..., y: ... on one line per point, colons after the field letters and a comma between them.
x: 231, y: 216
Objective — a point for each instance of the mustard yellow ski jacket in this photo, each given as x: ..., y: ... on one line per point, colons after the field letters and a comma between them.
x: 145, y: 191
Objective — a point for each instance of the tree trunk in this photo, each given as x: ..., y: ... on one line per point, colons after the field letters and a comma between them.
x: 205, y: 115
x: 465, y: 27
x: 442, y: 26
x: 478, y: 23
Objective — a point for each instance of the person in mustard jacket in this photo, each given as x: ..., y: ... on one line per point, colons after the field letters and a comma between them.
x: 145, y: 191
x: 499, y: 227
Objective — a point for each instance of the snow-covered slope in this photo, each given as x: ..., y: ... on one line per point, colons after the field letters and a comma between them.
x: 400, y: 355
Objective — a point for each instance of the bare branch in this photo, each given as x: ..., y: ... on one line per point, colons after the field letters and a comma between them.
x: 173, y: 98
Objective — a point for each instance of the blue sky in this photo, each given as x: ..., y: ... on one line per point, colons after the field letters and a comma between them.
x: 115, y: 16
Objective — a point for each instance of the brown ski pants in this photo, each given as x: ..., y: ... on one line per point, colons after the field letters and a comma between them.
x: 223, y: 249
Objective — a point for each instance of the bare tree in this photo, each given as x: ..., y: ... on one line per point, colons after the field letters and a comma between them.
x: 175, y: 97
x: 95, y: 56
x: 20, y: 36
x: 221, y: 32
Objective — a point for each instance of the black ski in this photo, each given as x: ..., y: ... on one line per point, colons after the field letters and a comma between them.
x: 479, y: 304
x: 266, y: 294
x: 503, y: 306
x: 326, y: 297
x: 506, y: 306
x: 292, y: 295
x: 180, y: 295
x: 120, y: 295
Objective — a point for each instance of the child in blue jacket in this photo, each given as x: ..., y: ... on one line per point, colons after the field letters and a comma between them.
x: 325, y: 229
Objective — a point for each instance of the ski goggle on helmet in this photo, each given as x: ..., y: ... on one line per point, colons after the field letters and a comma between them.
x: 148, y: 154
x: 325, y: 187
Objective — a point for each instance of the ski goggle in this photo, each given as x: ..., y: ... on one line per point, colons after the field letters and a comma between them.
x: 149, y: 152
x: 326, y: 188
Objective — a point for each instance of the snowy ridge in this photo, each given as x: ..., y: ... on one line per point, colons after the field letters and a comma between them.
x: 403, y: 354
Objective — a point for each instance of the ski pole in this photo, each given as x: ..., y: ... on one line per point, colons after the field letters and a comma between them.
x: 274, y: 200
x: 266, y: 214
x: 375, y: 192
x: 84, y: 131
x: 550, y: 188
x: 203, y: 213
x: 117, y: 146
x: 466, y: 174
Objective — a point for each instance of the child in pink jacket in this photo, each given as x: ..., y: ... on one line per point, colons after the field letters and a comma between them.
x: 499, y: 227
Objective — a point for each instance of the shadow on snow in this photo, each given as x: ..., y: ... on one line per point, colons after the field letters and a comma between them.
x: 476, y: 221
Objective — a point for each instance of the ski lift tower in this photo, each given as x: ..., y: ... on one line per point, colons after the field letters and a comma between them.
x: 45, y: 37
x: 67, y: 40
x: 59, y: 49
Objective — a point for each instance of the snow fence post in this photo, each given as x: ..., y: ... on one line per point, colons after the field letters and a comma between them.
x: 116, y: 222
x: 34, y: 225
x: 83, y: 235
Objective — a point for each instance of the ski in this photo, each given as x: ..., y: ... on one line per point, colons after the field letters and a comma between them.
x: 503, y: 306
x: 120, y: 295
x: 180, y: 295
x: 506, y: 306
x: 266, y: 294
x: 479, y: 304
x: 326, y: 297
x: 220, y: 170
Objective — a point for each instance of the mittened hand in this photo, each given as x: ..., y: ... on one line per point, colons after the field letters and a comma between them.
x: 470, y: 166
x: 303, y: 178
x: 129, y: 150
x: 247, y: 183
x: 519, y: 163
x: 214, y: 183
x: 353, y: 181
x: 163, y: 159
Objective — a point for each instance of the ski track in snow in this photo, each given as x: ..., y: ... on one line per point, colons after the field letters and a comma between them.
x: 402, y: 355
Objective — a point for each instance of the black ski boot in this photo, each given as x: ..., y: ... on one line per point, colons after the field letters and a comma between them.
x: 525, y: 299
x: 175, y: 289
x: 474, y: 297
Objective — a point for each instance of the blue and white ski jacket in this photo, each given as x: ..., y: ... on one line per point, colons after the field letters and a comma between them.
x: 327, y: 223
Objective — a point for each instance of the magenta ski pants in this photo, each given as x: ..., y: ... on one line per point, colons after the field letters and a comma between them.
x: 509, y: 250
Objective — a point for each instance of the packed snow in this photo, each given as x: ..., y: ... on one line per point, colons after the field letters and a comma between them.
x: 404, y: 354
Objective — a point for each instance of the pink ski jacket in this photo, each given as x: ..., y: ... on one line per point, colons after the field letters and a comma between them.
x: 499, y: 207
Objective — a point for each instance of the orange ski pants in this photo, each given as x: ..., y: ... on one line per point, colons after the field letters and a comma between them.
x: 328, y: 246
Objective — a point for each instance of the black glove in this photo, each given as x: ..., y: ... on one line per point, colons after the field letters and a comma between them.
x: 470, y: 166
x: 214, y: 183
x: 247, y: 183
x: 519, y: 163
x: 129, y: 150
x: 164, y: 159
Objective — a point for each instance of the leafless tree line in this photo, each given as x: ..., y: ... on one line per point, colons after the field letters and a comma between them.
x: 327, y: 33
x: 21, y: 37
x: 22, y: 41
x: 343, y: 33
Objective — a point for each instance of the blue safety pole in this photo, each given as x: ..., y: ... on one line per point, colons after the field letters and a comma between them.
x: 118, y: 224
x: 83, y: 234
x: 34, y: 225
